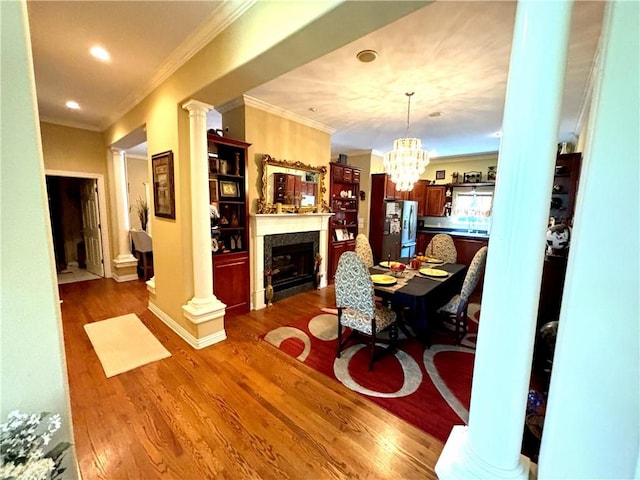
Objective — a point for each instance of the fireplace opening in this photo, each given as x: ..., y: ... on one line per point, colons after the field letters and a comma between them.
x: 295, y: 265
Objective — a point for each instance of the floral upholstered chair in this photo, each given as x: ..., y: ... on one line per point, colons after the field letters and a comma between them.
x: 442, y: 247
x: 363, y: 250
x: 356, y: 307
x: 455, y: 311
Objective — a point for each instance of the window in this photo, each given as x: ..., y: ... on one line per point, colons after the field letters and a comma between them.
x: 472, y: 208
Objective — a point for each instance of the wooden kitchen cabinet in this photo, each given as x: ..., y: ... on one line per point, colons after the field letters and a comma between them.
x: 435, y: 200
x: 419, y: 195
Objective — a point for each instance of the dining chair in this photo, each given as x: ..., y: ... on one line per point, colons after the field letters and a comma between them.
x: 442, y: 247
x: 363, y: 250
x: 454, y: 312
x: 356, y: 307
x: 143, y: 251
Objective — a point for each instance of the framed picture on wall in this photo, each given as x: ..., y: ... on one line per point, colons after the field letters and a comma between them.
x: 440, y: 174
x: 164, y: 201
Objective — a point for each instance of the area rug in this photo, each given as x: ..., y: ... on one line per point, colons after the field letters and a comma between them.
x: 428, y: 387
x: 124, y: 343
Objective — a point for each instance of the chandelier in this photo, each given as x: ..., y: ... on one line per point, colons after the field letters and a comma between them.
x: 407, y: 161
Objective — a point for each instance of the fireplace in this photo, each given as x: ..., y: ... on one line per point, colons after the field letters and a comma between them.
x: 292, y: 254
x: 265, y: 226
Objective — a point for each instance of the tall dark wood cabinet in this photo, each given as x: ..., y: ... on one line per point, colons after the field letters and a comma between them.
x: 565, y: 187
x: 344, y: 192
x: 229, y: 221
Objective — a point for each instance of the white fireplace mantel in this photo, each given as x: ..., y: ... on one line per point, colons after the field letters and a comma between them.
x: 274, y: 224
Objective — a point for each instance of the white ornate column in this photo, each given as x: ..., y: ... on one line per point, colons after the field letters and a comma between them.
x: 125, y: 264
x: 490, y: 446
x: 204, y: 309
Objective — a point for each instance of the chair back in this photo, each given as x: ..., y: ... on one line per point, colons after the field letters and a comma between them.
x: 363, y: 250
x: 474, y: 273
x: 442, y: 247
x: 354, y: 287
x: 141, y: 241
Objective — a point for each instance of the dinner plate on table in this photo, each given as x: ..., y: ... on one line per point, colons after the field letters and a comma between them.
x: 383, y: 279
x: 433, y: 272
x: 432, y: 260
x: 386, y: 264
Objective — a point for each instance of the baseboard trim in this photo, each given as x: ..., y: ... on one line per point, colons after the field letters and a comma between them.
x: 196, y: 343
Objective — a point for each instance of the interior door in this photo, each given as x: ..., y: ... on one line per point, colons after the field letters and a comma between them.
x: 91, y: 227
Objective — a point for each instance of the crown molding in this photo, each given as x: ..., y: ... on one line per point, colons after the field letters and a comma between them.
x: 64, y: 123
x: 465, y: 157
x: 267, y: 107
x: 211, y: 27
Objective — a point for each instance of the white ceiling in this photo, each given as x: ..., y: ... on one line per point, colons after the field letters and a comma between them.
x: 454, y: 55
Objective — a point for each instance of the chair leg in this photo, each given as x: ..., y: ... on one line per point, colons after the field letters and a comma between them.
x: 339, y: 333
x: 373, y: 349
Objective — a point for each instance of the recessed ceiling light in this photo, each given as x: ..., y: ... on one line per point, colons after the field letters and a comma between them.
x: 435, y: 114
x: 313, y: 109
x: 498, y: 134
x: 100, y: 53
x: 367, y: 56
x: 72, y: 105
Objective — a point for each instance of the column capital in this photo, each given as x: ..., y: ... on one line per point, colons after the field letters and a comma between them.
x: 195, y: 106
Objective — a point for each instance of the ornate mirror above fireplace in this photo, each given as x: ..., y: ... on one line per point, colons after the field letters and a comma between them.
x: 292, y: 187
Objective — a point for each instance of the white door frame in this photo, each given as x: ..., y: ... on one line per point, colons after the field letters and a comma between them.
x: 102, y: 209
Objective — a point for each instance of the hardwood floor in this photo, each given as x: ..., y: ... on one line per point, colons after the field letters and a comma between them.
x: 237, y: 409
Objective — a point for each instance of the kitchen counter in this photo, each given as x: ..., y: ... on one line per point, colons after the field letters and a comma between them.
x: 479, y: 234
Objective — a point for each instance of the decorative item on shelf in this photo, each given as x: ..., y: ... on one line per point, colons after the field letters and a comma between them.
x: 407, y: 161
x: 23, y: 439
x: 223, y: 167
x: 268, y: 291
x: 558, y: 189
x: 234, y: 220
x: 472, y: 177
x: 492, y: 173
x: 278, y: 207
x: 237, y: 164
x: 363, y: 195
x: 454, y: 177
x: 558, y: 238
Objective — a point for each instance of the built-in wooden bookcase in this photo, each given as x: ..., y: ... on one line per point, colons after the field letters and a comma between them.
x: 229, y: 221
x: 344, y: 194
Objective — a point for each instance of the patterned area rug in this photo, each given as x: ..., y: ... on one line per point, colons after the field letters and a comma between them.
x: 428, y: 387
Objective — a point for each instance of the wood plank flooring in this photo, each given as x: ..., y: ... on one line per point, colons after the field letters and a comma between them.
x: 237, y: 409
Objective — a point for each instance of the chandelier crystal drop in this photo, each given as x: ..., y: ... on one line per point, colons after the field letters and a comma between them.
x: 407, y: 161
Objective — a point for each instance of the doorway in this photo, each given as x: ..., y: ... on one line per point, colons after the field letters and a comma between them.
x: 76, y: 228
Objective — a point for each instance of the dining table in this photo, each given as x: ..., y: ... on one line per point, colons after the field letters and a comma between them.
x: 416, y: 296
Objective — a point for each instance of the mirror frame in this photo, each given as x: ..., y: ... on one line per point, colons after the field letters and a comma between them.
x: 265, y: 207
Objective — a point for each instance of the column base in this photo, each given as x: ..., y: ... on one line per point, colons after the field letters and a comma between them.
x: 125, y: 268
x: 458, y: 462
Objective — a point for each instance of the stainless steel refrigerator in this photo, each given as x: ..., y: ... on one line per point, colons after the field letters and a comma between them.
x: 399, y: 231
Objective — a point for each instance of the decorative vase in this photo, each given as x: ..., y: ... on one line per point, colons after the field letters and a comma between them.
x: 269, y: 292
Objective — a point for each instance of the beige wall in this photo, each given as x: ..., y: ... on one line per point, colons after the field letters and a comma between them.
x: 461, y: 164
x: 137, y: 176
x: 75, y: 150
x: 282, y: 138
